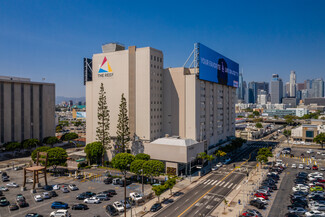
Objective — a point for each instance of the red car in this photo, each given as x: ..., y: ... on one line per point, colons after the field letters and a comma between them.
x: 321, y: 180
x: 315, y: 167
x: 249, y: 214
x: 318, y: 184
x: 261, y: 195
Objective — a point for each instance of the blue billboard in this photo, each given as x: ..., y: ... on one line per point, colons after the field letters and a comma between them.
x: 216, y: 68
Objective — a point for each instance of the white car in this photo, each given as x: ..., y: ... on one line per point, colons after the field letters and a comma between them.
x: 302, y: 185
x: 304, y: 189
x: 261, y: 199
x: 319, y: 152
x: 219, y: 165
x: 118, y: 206
x: 135, y: 196
x: 312, y: 213
x: 214, y: 168
x: 56, y: 187
x: 3, y: 188
x: 315, y: 174
x: 313, y: 178
x: 38, y: 198
x: 307, y: 167
x: 92, y: 200
x: 319, y: 207
x: 294, y: 166
x: 323, y: 154
x: 73, y: 187
x: 46, y: 195
x: 13, y: 185
x: 30, y: 180
x: 310, y: 151
x: 301, y: 166
x: 60, y: 213
x: 313, y: 157
x: 314, y: 193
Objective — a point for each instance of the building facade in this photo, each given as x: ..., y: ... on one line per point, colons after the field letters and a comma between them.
x: 276, y: 89
x: 292, y: 86
x: 27, y: 109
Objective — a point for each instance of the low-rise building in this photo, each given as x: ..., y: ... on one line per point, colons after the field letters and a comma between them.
x: 306, y: 132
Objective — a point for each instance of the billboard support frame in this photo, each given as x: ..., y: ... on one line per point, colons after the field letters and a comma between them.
x: 195, y: 55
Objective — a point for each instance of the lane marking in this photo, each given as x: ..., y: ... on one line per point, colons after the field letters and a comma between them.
x: 230, y: 185
x: 214, y: 182
x: 233, y: 187
x: 206, y: 182
x: 222, y: 184
x: 212, y: 188
x: 218, y: 183
x: 226, y: 184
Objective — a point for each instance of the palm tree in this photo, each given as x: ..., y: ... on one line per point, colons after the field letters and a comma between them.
x: 210, y: 158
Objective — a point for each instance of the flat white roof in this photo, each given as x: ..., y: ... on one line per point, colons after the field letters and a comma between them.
x: 174, y: 141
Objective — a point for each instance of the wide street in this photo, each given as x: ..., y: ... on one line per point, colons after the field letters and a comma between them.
x: 211, y: 190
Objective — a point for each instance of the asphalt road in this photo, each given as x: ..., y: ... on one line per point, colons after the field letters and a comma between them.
x: 210, y: 191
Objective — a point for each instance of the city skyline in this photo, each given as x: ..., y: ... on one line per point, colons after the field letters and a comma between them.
x: 263, y: 44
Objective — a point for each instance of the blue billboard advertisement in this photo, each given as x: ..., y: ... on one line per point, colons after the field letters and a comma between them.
x: 216, y: 68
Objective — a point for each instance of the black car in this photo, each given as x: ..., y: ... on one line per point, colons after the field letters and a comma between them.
x: 48, y: 188
x: 53, y: 194
x: 105, y: 192
x: 5, y: 178
x: 111, y: 210
x: 302, y: 174
x: 79, y: 176
x: 291, y: 215
x: 22, y: 203
x: 79, y: 207
x: 156, y: 207
x: 317, y: 197
x: 82, y: 196
x: 257, y: 203
x: 167, y: 201
x: 4, y: 174
x: 297, y: 205
x: 128, y: 182
x: 33, y: 215
x: 299, y: 200
x: 112, y: 192
x: 108, y: 180
x: 89, y: 193
x: 1, y: 193
x: 13, y: 207
x: 4, y: 201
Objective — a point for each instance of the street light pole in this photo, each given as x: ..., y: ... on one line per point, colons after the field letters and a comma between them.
x: 142, y: 183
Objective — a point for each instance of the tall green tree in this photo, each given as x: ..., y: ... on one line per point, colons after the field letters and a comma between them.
x: 265, y: 151
x: 51, y: 140
x: 137, y: 166
x: 210, y: 158
x: 40, y: 149
x: 123, y: 131
x: 153, y: 168
x: 30, y: 143
x: 13, y: 146
x: 68, y: 137
x: 102, y: 131
x: 320, y: 139
x: 262, y: 158
x: 159, y: 189
x: 287, y: 134
x: 57, y: 157
x: 170, y: 183
x: 142, y: 156
x: 258, y: 125
x: 94, y: 152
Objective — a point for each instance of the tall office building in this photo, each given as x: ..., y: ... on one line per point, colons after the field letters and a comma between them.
x: 27, y: 109
x: 317, y: 88
x: 262, y: 97
x: 160, y: 101
x: 240, y: 90
x: 292, y: 86
x: 255, y: 88
x: 286, y: 89
x: 276, y: 89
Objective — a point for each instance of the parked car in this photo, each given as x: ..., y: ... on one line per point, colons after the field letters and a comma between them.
x: 48, y: 188
x: 135, y: 196
x: 116, y: 181
x: 297, y: 210
x: 108, y: 180
x: 65, y: 190
x: 60, y: 213
x: 316, y: 188
x: 13, y: 207
x: 104, y: 197
x: 294, y: 166
x: 79, y: 176
x: 59, y: 205
x: 4, y: 201
x: 18, y: 168
x: 53, y: 194
x: 73, y: 187
x: 22, y: 203
x: 118, y: 206
x: 315, y: 167
x: 20, y: 197
x: 111, y: 210
x: 301, y: 166
x: 127, y: 205
x: 12, y: 185
x: 56, y: 187
x: 156, y: 207
x: 46, y: 195
x: 4, y: 188
x: 79, y: 207
x: 38, y: 198
x: 33, y: 215
x: 261, y: 195
x: 92, y: 200
x: 128, y: 182
x: 307, y: 167
x: 257, y: 203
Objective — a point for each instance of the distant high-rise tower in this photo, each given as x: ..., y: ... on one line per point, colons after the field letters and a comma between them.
x: 240, y: 90
x: 292, y: 86
x: 318, y: 87
x: 276, y: 89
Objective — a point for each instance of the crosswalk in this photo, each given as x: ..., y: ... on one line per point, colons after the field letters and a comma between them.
x: 219, y: 183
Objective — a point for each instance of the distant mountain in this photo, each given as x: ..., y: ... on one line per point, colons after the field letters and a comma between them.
x: 59, y: 99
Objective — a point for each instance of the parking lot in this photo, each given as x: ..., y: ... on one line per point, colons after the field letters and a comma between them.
x: 282, y: 200
x: 44, y: 207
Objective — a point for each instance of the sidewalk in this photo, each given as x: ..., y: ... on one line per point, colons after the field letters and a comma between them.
x: 144, y: 210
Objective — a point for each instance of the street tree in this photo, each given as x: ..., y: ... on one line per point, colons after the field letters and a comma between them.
x: 13, y: 146
x: 320, y: 139
x: 265, y: 151
x: 94, y: 152
x: 40, y: 149
x: 159, y: 189
x: 256, y: 113
x: 262, y: 159
x: 68, y: 137
x: 153, y: 168
x: 57, y: 157
x: 142, y: 156
x: 220, y: 154
x: 287, y: 134
x: 102, y: 130
x: 51, y: 140
x: 123, y: 131
x: 210, y: 158
x: 170, y: 183
x: 258, y: 125
x: 30, y: 143
x: 122, y: 162
x: 137, y: 166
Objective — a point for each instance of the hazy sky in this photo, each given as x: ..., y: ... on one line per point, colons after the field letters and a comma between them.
x: 48, y: 39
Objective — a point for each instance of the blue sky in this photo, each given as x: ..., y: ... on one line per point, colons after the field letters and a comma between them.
x: 48, y: 39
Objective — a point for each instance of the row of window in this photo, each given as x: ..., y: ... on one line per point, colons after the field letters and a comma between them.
x: 155, y: 67
x: 155, y: 58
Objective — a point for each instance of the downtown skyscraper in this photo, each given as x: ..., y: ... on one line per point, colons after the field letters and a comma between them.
x: 292, y: 84
x: 276, y: 89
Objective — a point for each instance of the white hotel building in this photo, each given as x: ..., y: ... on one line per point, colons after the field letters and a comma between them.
x: 171, y: 111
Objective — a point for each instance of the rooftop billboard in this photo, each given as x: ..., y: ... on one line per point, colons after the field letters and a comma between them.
x: 216, y: 68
